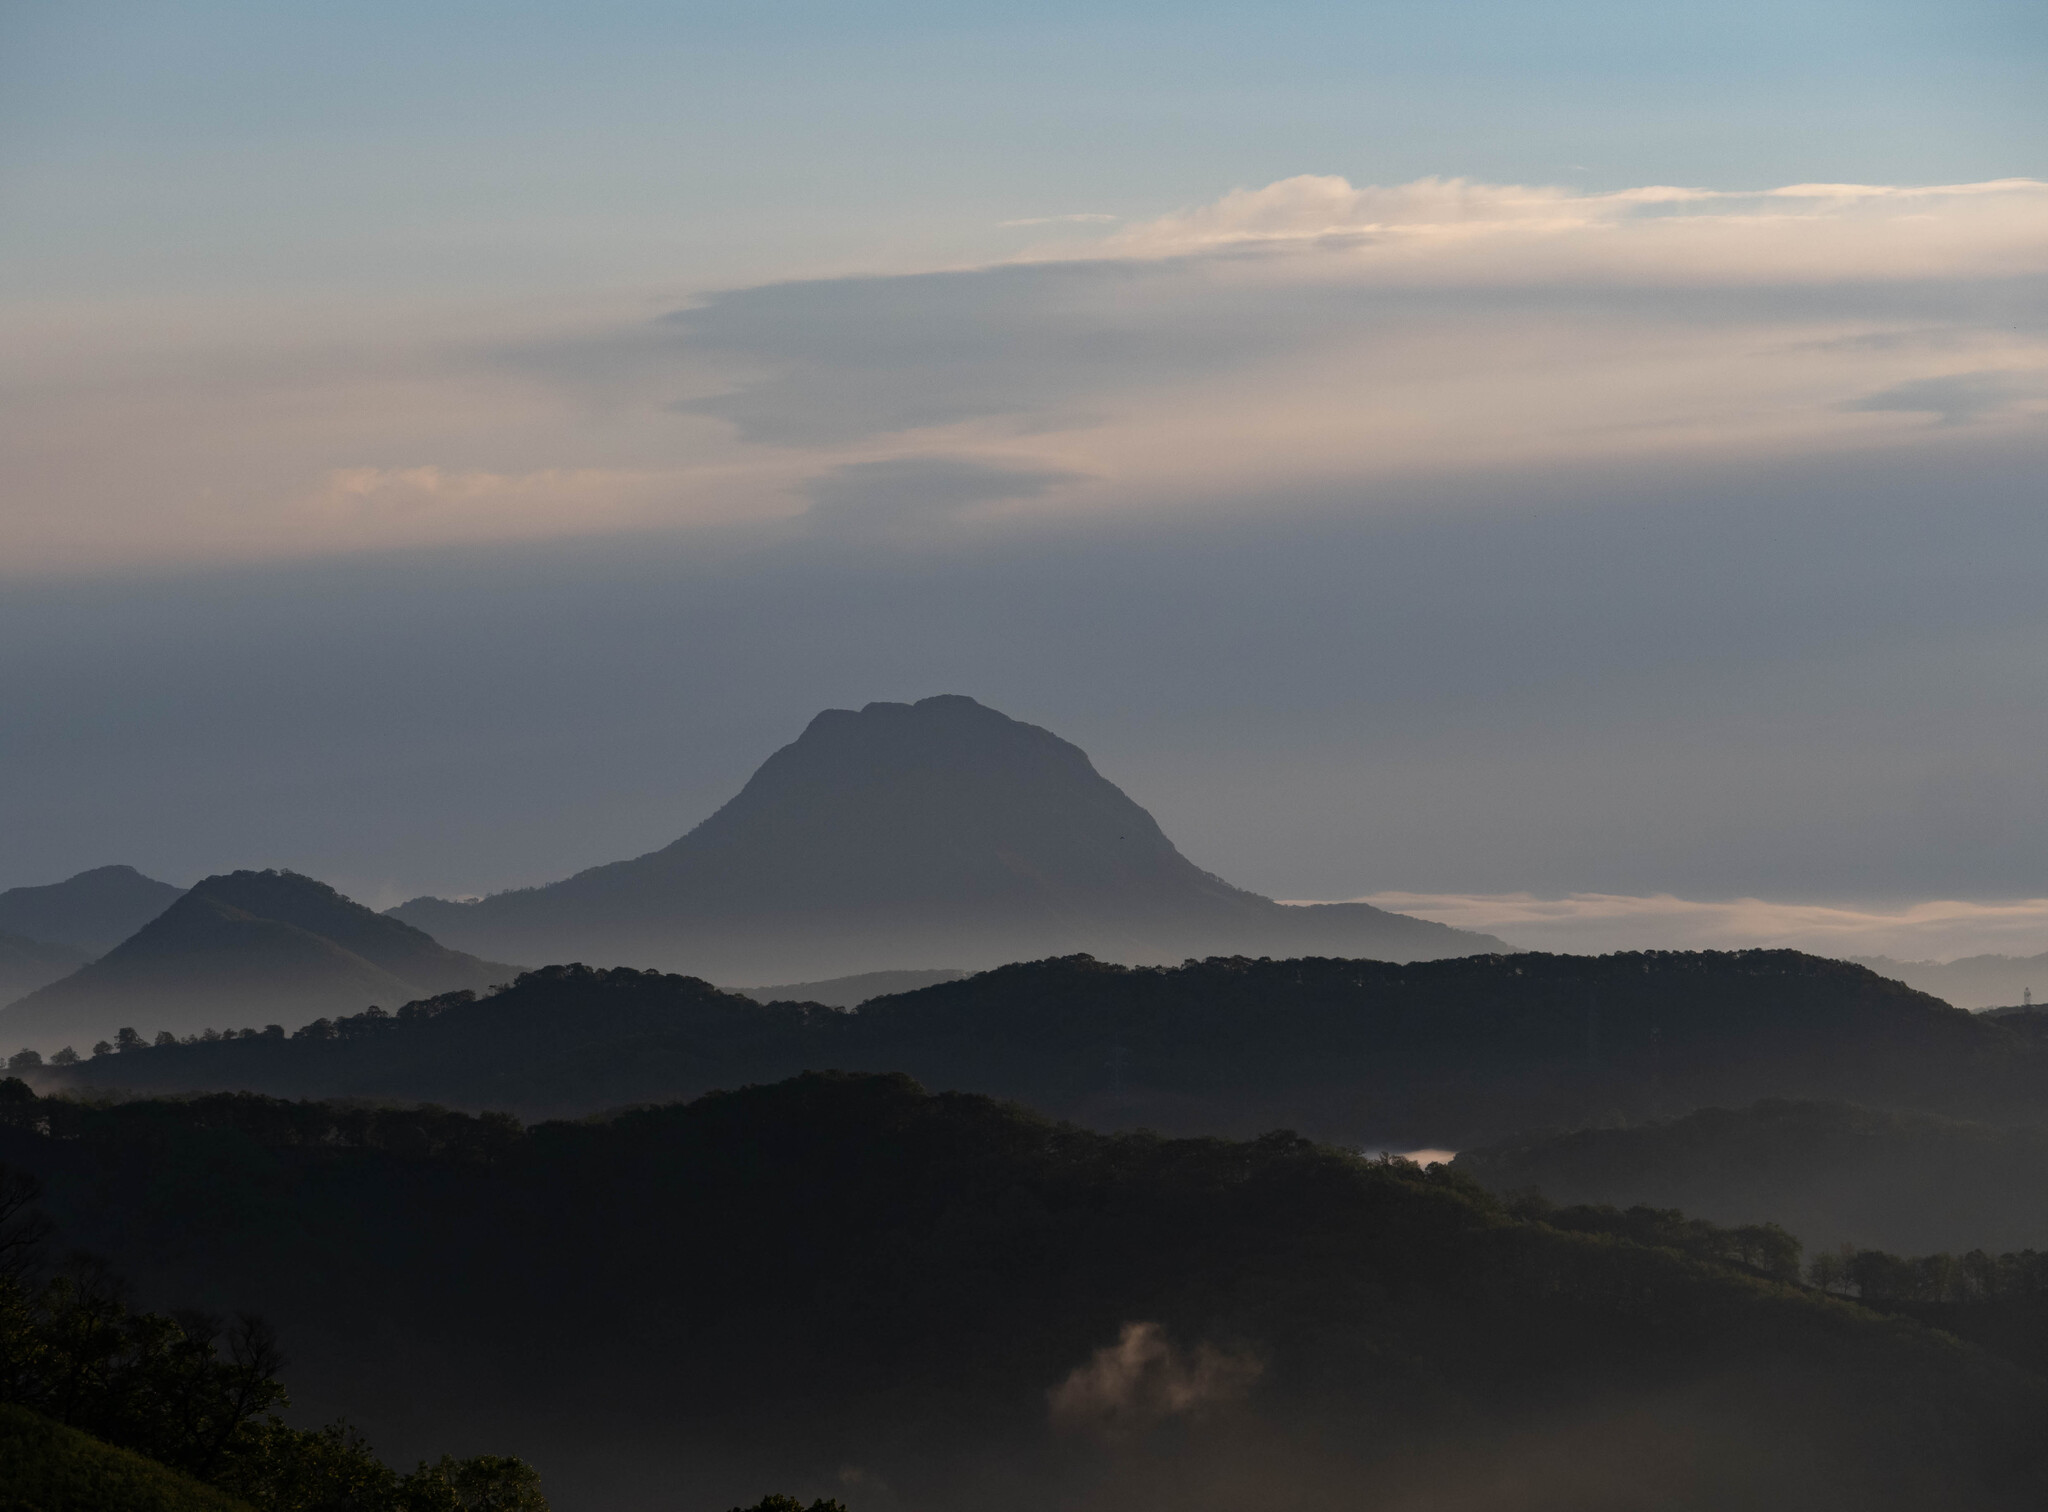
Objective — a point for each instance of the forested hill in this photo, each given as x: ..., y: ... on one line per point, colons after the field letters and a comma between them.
x: 1832, y: 1173
x: 1443, y: 1052
x: 843, y: 1285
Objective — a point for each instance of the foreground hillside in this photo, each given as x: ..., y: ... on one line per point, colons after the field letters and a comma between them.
x: 844, y: 1285
x: 46, y: 1467
x: 1432, y: 1053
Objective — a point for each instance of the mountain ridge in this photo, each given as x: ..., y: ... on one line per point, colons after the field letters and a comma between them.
x: 1435, y: 1053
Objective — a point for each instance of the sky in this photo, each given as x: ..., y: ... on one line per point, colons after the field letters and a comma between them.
x: 1478, y: 454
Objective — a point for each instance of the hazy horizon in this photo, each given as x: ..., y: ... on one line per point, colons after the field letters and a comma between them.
x: 1578, y: 452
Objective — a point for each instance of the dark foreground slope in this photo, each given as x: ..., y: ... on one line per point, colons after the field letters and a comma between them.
x: 1830, y: 1172
x: 934, y: 831
x: 245, y: 946
x: 843, y: 1285
x: 91, y: 912
x: 1437, y: 1053
x: 46, y: 1467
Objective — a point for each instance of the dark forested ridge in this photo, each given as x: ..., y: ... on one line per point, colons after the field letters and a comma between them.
x: 935, y: 831
x: 842, y: 1285
x: 270, y: 945
x: 1441, y: 1052
x: 1830, y: 1172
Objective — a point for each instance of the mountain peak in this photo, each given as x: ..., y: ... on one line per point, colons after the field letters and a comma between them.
x: 247, y: 946
x: 91, y: 912
x: 941, y: 829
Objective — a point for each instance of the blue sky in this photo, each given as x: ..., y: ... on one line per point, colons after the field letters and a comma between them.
x: 1450, y: 448
x: 348, y: 147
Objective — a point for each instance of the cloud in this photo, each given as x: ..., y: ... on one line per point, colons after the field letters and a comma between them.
x: 1956, y: 398
x: 1306, y: 339
x: 905, y: 496
x: 1312, y: 334
x: 381, y: 507
x: 1142, y: 1380
x: 842, y: 361
x: 1601, y: 922
x: 1438, y: 230
x: 1080, y: 218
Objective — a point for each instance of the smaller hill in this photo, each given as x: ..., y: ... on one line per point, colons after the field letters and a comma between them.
x: 1979, y: 981
x: 27, y: 964
x: 1830, y: 1172
x: 850, y: 991
x: 245, y: 947
x: 91, y: 912
x: 50, y: 1468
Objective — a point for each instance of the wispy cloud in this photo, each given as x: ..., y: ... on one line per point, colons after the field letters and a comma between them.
x: 1598, y: 922
x: 1079, y: 218
x: 1456, y: 231
x: 906, y: 498
x: 1307, y: 338
x: 1959, y: 398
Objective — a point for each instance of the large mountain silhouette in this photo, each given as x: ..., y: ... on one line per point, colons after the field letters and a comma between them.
x: 246, y: 947
x: 908, y: 835
x: 91, y: 912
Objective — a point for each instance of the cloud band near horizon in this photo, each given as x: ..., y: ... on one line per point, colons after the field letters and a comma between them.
x: 1308, y: 338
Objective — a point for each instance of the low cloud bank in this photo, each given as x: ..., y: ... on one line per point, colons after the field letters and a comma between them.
x: 1591, y: 923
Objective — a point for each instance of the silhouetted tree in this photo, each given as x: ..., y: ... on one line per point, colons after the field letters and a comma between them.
x: 197, y: 1393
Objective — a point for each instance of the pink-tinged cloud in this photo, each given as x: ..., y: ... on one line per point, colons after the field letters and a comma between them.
x: 1307, y: 338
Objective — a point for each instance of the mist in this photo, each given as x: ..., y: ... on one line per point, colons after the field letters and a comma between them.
x: 1796, y: 682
